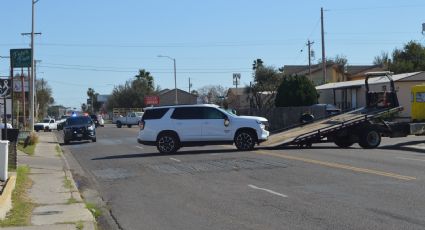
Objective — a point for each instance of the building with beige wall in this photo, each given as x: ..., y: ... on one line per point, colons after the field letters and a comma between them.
x: 334, y: 72
x: 168, y: 97
x: 352, y: 94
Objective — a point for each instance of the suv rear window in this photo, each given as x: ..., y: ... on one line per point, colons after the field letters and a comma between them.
x: 152, y: 114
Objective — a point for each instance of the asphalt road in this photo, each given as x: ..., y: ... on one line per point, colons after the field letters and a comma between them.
x: 216, y: 187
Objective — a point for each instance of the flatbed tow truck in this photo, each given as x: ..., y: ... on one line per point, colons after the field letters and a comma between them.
x: 364, y: 126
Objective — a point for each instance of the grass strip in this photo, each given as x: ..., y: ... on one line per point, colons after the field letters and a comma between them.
x: 20, y: 215
x: 28, y: 150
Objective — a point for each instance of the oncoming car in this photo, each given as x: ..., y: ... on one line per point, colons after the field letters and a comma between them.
x: 78, y: 128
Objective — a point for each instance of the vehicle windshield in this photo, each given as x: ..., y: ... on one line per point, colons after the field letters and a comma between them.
x: 46, y: 120
x: 228, y: 112
x: 139, y: 114
x: 79, y: 121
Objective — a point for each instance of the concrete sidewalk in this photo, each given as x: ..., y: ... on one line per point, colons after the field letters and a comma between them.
x: 58, y: 202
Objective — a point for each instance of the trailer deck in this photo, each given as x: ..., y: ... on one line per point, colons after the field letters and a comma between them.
x: 318, y: 130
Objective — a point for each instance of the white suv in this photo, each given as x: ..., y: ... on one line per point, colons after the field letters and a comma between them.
x: 173, y: 127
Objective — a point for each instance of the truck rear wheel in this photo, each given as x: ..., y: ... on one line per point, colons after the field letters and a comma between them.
x: 119, y: 125
x: 343, y: 142
x: 370, y: 138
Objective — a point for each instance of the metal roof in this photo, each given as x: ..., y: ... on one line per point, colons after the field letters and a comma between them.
x: 359, y: 83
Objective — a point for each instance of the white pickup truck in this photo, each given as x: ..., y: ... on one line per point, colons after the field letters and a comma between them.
x: 132, y: 118
x: 48, y: 124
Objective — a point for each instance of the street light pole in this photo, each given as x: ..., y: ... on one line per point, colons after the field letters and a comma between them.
x: 175, y: 77
x: 32, y: 82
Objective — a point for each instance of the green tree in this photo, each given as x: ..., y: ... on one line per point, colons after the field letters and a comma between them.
x: 95, y: 105
x: 383, y: 60
x: 43, y: 96
x: 266, y: 82
x: 132, y: 93
x: 409, y: 59
x: 296, y: 91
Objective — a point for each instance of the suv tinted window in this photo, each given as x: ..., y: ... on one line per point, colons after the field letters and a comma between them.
x: 212, y: 113
x: 184, y: 113
x: 151, y: 114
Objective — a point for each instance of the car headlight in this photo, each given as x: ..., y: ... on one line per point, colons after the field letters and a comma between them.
x: 91, y: 128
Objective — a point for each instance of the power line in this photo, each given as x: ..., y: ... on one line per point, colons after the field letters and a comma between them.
x: 135, y: 71
x: 376, y: 8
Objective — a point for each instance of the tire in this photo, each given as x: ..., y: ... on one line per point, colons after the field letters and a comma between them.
x: 343, y: 142
x: 93, y: 139
x: 65, y: 141
x: 370, y: 138
x: 167, y: 143
x: 119, y: 125
x: 245, y: 140
x: 129, y: 126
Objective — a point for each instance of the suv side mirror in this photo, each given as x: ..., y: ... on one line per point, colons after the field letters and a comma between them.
x: 226, y: 121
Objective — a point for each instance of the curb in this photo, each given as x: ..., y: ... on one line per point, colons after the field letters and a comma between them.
x: 6, y: 197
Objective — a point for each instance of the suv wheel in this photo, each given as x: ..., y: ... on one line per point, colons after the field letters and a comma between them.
x: 93, y: 139
x: 245, y: 140
x: 167, y: 143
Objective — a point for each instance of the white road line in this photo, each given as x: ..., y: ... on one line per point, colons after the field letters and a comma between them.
x: 140, y: 147
x: 174, y: 159
x: 412, y: 159
x: 267, y: 190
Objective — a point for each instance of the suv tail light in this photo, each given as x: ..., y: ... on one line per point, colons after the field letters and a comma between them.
x: 141, y: 124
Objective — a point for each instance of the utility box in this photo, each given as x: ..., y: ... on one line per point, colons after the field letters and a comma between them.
x: 4, y: 153
x: 418, y: 103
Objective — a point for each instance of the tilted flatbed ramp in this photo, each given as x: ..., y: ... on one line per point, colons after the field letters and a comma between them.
x: 319, y: 129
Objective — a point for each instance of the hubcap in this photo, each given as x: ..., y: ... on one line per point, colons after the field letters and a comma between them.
x: 166, y: 144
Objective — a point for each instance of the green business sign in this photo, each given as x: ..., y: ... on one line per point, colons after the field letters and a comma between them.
x: 20, y: 58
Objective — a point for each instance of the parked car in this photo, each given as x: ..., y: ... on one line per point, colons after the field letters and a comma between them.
x: 78, y: 128
x: 8, y: 126
x: 132, y: 118
x: 101, y: 121
x: 48, y: 124
x: 173, y: 127
x: 95, y: 120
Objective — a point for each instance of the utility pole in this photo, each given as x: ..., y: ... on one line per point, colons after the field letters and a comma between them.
x: 309, y: 44
x: 190, y: 86
x: 31, y: 78
x: 323, y: 47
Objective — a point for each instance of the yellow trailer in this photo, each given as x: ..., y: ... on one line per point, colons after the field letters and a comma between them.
x: 418, y: 103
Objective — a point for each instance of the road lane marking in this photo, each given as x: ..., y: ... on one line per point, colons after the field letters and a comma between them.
x: 412, y: 159
x: 340, y: 166
x: 174, y: 159
x: 267, y: 190
x: 140, y: 147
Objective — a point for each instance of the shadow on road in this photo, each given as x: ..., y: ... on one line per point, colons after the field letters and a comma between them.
x: 157, y: 154
x: 406, y: 146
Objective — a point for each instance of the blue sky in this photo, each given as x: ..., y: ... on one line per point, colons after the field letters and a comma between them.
x: 102, y: 43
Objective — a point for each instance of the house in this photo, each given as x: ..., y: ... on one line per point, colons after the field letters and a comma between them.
x: 238, y: 98
x: 351, y: 94
x: 334, y: 72
x: 168, y: 97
